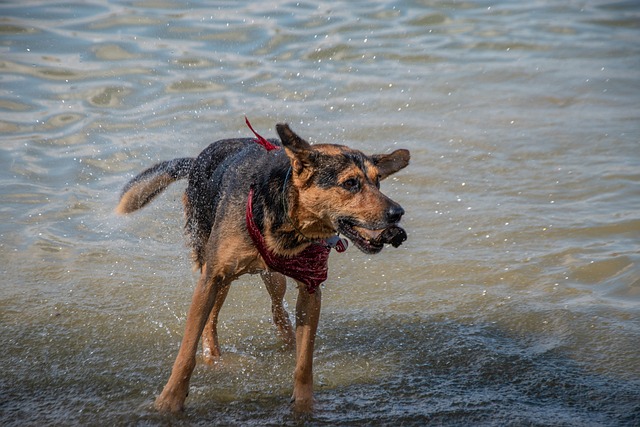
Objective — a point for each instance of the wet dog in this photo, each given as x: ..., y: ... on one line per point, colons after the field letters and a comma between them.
x: 275, y: 208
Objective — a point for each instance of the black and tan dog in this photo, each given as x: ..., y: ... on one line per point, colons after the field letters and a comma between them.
x: 270, y: 207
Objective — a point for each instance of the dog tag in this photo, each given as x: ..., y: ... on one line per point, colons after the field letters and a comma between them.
x: 338, y: 243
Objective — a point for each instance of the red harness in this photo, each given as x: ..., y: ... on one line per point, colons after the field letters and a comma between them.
x: 309, y: 267
x: 312, y: 264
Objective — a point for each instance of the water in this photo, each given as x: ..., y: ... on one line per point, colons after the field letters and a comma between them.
x: 515, y: 301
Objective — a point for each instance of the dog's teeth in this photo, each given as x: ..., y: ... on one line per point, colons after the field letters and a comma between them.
x: 369, y: 234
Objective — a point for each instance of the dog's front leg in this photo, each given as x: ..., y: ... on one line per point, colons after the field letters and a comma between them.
x: 307, y: 317
x: 175, y: 391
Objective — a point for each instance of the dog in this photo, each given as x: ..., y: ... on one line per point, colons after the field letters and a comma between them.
x: 273, y: 207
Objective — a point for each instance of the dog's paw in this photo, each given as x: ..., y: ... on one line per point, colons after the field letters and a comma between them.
x: 168, y: 402
x: 211, y: 355
x: 168, y: 407
x: 302, y: 406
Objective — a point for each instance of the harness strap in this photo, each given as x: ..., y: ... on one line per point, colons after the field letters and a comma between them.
x: 309, y: 267
x: 260, y: 139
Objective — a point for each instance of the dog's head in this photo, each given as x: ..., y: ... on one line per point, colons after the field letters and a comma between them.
x: 339, y: 191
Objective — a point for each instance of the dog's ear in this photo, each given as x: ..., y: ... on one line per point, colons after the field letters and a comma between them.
x: 298, y: 150
x: 389, y: 164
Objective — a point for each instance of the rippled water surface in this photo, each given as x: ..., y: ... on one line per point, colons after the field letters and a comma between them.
x: 515, y: 301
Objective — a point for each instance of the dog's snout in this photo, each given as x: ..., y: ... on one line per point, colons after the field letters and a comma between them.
x: 394, y: 213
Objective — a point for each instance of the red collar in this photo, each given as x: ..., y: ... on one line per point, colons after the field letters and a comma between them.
x: 309, y: 267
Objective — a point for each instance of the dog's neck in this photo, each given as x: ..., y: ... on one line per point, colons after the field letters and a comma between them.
x: 309, y: 266
x: 303, y: 223
x: 287, y: 211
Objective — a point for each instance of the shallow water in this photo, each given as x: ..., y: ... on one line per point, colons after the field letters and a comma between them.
x: 515, y: 301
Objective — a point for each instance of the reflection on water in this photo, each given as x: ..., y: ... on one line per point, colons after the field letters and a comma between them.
x: 516, y: 299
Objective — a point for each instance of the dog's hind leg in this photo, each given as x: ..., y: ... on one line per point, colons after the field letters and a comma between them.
x: 307, y: 318
x: 210, y: 344
x: 276, y: 285
x: 204, y: 297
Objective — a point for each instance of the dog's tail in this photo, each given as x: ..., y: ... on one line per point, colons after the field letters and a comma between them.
x: 151, y: 182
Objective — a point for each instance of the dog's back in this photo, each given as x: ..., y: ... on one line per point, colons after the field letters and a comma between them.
x: 218, y: 180
x: 221, y: 171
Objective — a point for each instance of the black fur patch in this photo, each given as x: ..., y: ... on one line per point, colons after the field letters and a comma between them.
x: 330, y: 167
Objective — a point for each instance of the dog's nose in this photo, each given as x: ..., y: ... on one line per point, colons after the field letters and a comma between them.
x: 394, y: 213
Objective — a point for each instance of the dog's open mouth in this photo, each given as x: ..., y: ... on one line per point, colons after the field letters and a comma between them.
x: 372, y: 241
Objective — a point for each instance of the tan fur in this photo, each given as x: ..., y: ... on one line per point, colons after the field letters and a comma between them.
x: 140, y: 193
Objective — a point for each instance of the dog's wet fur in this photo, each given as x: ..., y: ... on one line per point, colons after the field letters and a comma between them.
x: 303, y: 194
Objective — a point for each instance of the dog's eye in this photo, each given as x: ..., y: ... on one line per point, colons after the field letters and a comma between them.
x: 351, y: 184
